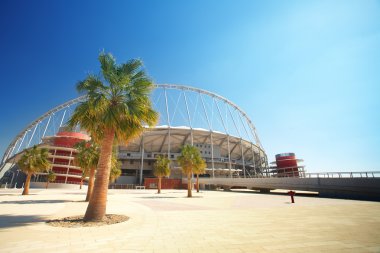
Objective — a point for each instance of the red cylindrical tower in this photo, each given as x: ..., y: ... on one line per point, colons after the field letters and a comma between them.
x: 287, y: 165
x: 62, y: 154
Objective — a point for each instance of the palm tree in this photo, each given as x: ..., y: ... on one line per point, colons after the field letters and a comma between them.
x: 87, y: 158
x: 161, y: 169
x: 32, y: 161
x: 117, y: 108
x: 199, y: 168
x: 50, y: 177
x: 115, y: 168
x: 189, y: 160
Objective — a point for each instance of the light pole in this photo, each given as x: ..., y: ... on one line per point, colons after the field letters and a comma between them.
x: 16, y: 177
x: 13, y: 175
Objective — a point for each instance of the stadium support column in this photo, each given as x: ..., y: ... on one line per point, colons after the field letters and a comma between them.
x: 189, y: 119
x: 142, y: 158
x: 212, y: 155
x: 229, y: 155
x: 22, y: 141
x: 211, y: 137
x: 228, y: 137
x: 34, y: 131
x: 242, y: 156
x: 168, y: 122
x: 43, y: 135
x: 253, y: 160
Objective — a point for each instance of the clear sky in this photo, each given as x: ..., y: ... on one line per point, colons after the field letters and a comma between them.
x: 306, y: 72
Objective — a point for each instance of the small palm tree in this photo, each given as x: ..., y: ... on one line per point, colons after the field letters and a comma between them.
x: 115, y: 168
x: 189, y: 160
x: 33, y: 160
x: 199, y: 168
x: 50, y: 177
x: 161, y: 169
x: 87, y: 158
x: 117, y: 108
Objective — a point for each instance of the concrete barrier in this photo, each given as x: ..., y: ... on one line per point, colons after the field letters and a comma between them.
x: 355, y: 188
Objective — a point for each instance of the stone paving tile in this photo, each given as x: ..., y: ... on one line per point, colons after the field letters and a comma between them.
x: 214, y: 222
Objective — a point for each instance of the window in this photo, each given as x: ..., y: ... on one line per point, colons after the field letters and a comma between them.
x: 128, y: 154
x: 171, y: 156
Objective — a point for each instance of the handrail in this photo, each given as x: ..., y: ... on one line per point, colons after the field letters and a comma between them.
x: 302, y: 174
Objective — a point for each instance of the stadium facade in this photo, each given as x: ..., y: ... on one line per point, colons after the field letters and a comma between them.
x: 224, y: 134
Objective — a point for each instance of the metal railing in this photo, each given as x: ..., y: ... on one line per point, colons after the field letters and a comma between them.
x: 359, y: 174
x: 303, y: 174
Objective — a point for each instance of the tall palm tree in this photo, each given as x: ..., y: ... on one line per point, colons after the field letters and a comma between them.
x: 189, y: 160
x: 117, y: 108
x: 161, y: 169
x: 87, y: 158
x: 199, y: 168
x: 33, y: 160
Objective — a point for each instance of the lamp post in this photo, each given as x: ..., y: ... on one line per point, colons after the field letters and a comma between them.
x: 13, y: 175
x: 16, y: 178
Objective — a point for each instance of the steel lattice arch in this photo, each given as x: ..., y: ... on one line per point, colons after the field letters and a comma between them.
x: 224, y: 134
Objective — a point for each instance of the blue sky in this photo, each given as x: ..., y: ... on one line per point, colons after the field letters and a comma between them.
x: 306, y: 72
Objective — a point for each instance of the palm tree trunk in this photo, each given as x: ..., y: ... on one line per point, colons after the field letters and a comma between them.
x: 90, y: 187
x: 189, y: 195
x: 197, y: 182
x: 47, y: 184
x: 81, y: 183
x: 96, y: 208
x: 159, y: 185
x: 27, y: 183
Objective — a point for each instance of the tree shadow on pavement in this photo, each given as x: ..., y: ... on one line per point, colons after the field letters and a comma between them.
x: 8, y: 221
x: 48, y: 201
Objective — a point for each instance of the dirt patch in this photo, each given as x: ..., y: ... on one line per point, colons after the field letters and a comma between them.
x: 77, y: 221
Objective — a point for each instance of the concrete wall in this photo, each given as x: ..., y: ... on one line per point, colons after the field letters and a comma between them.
x: 358, y: 188
x: 126, y: 180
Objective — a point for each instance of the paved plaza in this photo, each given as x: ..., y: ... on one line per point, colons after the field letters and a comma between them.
x: 211, y: 221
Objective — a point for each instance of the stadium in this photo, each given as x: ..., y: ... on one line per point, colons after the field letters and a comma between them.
x: 224, y: 134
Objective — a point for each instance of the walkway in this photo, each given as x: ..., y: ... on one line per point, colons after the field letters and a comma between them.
x: 212, y: 221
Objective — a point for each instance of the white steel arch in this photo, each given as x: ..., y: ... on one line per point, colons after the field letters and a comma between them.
x: 45, y: 124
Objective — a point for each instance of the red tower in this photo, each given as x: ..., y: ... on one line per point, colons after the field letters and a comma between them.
x: 287, y: 166
x: 62, y: 154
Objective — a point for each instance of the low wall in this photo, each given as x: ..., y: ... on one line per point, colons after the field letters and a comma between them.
x: 166, y: 183
x: 56, y: 185
x: 357, y: 188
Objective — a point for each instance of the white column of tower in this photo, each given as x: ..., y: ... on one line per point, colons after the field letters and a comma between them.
x: 211, y: 139
x: 168, y: 121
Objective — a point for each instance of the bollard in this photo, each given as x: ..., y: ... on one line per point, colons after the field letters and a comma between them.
x: 292, y: 193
